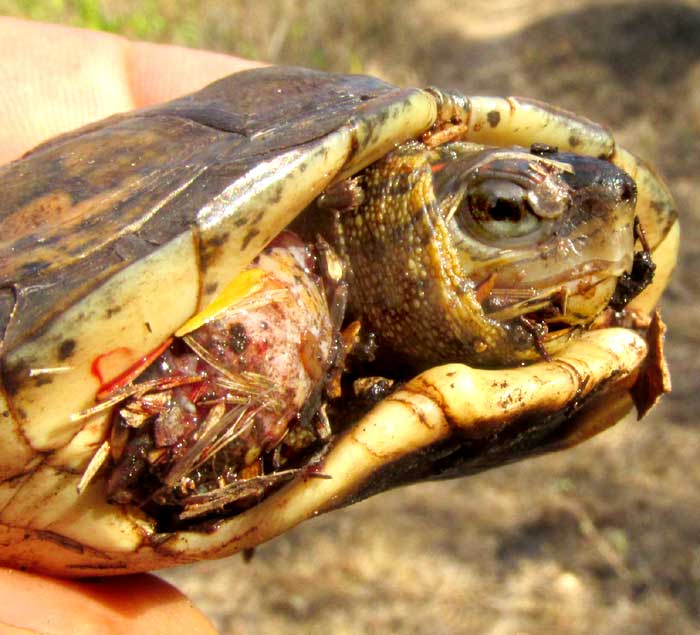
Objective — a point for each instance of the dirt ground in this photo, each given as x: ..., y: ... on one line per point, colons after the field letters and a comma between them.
x: 603, y: 539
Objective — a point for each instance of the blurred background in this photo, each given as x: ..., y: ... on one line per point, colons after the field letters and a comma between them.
x: 602, y: 539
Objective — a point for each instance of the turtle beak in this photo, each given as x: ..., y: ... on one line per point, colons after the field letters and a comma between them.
x: 604, y: 198
x: 604, y: 182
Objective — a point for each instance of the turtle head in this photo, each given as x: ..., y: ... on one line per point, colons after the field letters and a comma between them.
x: 488, y: 256
x: 541, y: 235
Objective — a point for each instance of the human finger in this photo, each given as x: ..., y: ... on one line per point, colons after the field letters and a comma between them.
x: 34, y: 603
x: 57, y: 78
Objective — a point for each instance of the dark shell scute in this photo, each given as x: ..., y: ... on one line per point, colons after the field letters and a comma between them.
x: 82, y: 207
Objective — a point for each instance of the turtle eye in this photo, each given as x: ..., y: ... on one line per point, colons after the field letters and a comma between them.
x: 497, y: 209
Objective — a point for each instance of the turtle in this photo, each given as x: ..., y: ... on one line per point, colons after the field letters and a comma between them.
x: 167, y: 220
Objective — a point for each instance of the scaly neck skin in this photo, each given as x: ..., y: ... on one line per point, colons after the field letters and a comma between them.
x: 407, y: 284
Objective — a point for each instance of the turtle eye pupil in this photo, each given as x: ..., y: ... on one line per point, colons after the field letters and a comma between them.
x: 497, y: 209
x: 499, y: 204
x: 505, y: 209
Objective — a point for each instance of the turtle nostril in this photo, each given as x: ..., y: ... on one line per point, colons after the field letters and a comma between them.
x: 628, y: 189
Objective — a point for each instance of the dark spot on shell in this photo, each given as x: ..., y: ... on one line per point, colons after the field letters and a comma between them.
x: 276, y: 195
x: 239, y: 222
x: 211, y: 288
x: 494, y: 118
x: 113, y: 310
x: 257, y: 218
x: 42, y: 380
x: 365, y: 97
x: 661, y: 207
x: 574, y: 141
x: 148, y: 327
x: 6, y: 413
x: 248, y: 237
x: 211, y: 247
x: 420, y: 415
x: 66, y: 349
x: 14, y: 377
x: 218, y: 240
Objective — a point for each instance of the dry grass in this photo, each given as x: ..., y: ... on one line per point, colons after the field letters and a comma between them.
x: 603, y: 539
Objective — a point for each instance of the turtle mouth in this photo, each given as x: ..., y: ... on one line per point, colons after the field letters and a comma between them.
x: 572, y: 297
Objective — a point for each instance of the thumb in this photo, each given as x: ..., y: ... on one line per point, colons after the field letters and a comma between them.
x: 127, y: 604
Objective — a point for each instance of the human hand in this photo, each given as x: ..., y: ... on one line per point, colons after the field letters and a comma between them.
x: 55, y: 79
x: 31, y: 603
